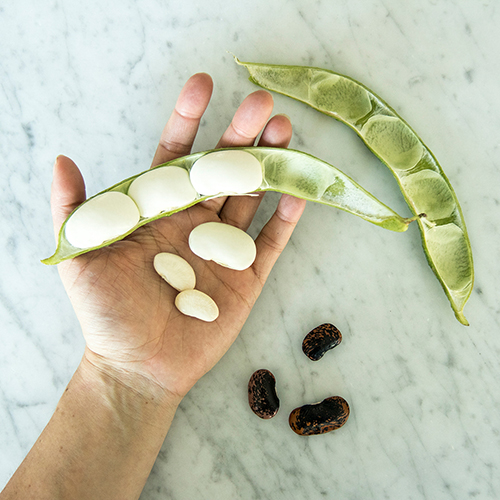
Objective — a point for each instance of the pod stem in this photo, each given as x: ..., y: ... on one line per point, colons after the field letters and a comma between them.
x: 425, y: 220
x: 409, y: 220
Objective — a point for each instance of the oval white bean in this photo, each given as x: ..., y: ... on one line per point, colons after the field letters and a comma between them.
x: 162, y: 189
x: 235, y: 172
x: 224, y: 244
x: 102, y: 218
x: 176, y: 271
x: 197, y: 304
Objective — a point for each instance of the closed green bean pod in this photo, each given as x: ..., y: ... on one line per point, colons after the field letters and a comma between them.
x: 281, y: 170
x: 421, y: 179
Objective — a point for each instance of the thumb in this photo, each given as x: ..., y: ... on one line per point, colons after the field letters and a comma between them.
x: 68, y: 190
x: 276, y: 233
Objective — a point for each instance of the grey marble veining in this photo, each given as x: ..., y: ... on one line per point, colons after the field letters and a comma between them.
x: 96, y: 81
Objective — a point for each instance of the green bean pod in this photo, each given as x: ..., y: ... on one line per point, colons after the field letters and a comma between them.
x: 419, y: 175
x: 283, y: 170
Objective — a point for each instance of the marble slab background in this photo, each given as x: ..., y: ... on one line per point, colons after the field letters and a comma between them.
x: 97, y: 80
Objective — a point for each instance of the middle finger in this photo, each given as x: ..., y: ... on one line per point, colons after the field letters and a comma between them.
x: 249, y: 119
x: 240, y: 210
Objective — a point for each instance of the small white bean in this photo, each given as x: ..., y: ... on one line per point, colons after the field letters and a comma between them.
x: 162, y: 189
x: 229, y: 171
x: 197, y: 304
x: 176, y: 271
x: 224, y: 244
x: 102, y: 218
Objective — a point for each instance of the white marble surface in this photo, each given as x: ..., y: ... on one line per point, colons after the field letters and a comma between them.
x: 97, y: 80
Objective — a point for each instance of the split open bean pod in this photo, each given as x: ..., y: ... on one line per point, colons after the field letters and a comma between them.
x: 421, y: 179
x: 281, y: 170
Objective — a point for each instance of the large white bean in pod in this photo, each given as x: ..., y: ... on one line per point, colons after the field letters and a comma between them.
x: 224, y: 244
x: 102, y: 218
x: 229, y: 171
x: 162, y: 189
x: 197, y: 304
x: 176, y: 271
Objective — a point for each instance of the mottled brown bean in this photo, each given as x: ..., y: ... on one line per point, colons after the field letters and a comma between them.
x: 330, y: 414
x: 262, y: 396
x: 320, y: 340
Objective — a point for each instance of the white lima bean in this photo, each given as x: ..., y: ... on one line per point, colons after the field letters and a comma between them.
x: 227, y: 171
x: 197, y: 304
x: 100, y: 219
x: 175, y: 270
x: 162, y: 189
x: 226, y: 245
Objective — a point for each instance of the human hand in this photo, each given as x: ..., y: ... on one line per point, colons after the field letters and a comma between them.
x: 142, y: 354
x: 125, y: 308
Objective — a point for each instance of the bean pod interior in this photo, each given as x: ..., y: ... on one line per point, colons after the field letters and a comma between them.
x: 421, y: 179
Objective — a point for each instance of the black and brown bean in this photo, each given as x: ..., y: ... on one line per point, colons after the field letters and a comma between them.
x: 262, y: 396
x: 332, y: 413
x: 320, y: 340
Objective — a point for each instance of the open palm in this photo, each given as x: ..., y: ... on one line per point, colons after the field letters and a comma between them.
x: 126, y: 310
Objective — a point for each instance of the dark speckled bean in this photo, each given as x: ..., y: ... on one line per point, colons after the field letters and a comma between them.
x: 262, y: 395
x: 320, y: 340
x: 319, y: 418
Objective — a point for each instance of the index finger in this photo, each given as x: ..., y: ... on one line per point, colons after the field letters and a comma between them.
x: 180, y: 131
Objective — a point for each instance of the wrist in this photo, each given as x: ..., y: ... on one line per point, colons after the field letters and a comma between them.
x: 125, y: 392
x: 102, y: 440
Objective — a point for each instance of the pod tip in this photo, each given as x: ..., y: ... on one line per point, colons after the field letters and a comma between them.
x: 48, y: 261
x: 236, y: 60
x: 460, y: 316
x: 53, y: 259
